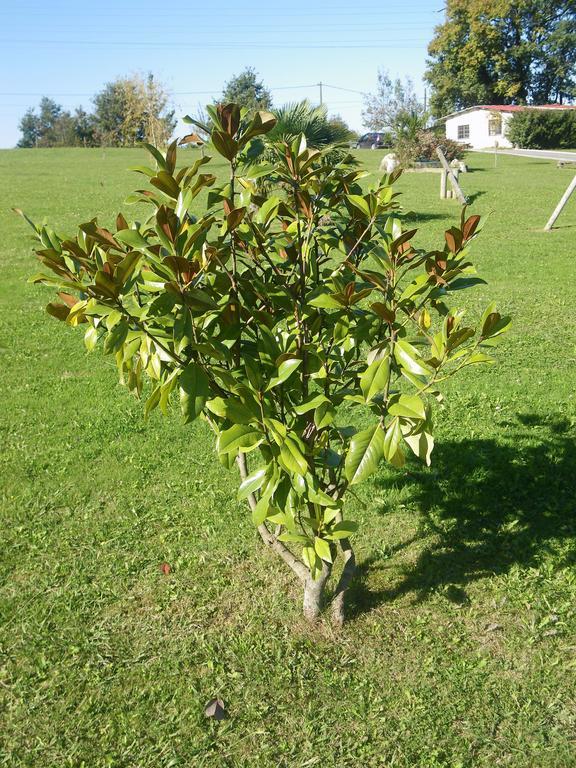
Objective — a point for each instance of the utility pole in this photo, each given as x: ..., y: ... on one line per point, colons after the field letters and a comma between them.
x: 320, y: 86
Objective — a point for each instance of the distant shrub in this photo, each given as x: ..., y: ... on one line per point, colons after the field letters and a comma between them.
x: 423, y: 148
x: 542, y: 129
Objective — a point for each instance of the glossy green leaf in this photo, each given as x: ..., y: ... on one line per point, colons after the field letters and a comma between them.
x: 375, y: 378
x: 230, y: 408
x: 409, y: 406
x: 422, y: 444
x: 252, y: 483
x: 131, y: 237
x: 408, y: 357
x: 292, y: 457
x: 310, y: 404
x: 194, y: 391
x: 285, y: 370
x: 240, y: 437
x: 322, y: 549
x: 366, y: 450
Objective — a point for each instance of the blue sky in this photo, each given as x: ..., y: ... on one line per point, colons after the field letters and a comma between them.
x: 68, y: 50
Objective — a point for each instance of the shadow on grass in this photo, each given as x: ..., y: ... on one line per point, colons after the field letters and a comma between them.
x: 419, y: 217
x: 485, y: 506
x: 474, y: 196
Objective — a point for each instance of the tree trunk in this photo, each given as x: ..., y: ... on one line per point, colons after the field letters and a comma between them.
x: 339, y: 599
x: 314, y: 593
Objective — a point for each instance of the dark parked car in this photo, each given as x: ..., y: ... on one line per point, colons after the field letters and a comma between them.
x: 373, y: 140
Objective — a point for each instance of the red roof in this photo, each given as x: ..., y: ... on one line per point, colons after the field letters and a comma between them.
x: 520, y: 107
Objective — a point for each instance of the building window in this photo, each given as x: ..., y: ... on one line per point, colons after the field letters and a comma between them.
x: 495, y: 126
x: 463, y: 131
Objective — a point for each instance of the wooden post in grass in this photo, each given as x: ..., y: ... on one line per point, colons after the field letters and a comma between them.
x: 450, y: 175
x: 443, y: 184
x: 558, y: 210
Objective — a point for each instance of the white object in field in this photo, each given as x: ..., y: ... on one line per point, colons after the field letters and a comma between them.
x: 561, y: 204
x: 458, y: 165
x: 389, y: 162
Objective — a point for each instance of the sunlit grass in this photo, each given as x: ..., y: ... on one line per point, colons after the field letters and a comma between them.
x: 460, y: 646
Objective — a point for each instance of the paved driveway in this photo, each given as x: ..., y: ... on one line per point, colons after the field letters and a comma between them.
x: 543, y: 154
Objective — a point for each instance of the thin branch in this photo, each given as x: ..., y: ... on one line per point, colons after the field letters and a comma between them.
x: 268, y: 537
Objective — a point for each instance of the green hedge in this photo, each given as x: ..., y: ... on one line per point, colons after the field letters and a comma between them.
x: 543, y: 129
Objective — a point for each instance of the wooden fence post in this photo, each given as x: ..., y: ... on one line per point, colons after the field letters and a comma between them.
x: 443, y: 184
x: 561, y: 204
x: 449, y: 173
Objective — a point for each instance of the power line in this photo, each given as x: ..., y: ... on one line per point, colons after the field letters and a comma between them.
x: 213, y: 46
x: 173, y: 93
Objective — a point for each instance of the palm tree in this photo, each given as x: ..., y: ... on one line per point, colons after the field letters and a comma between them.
x: 304, y: 118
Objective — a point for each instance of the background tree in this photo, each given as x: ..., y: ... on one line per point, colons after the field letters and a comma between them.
x: 131, y: 110
x: 52, y: 126
x: 395, y: 106
x: 302, y: 117
x: 84, y: 128
x: 503, y: 51
x: 30, y: 129
x: 246, y: 90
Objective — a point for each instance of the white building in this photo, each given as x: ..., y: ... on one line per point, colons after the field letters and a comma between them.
x: 484, y: 126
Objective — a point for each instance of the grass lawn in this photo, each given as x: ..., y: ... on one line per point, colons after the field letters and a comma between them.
x: 460, y: 649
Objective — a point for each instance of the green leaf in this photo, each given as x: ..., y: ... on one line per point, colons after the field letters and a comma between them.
x: 285, y: 370
x: 252, y: 483
x: 319, y: 497
x: 166, y: 183
x: 358, y: 202
x: 407, y: 356
x: 240, y: 437
x: 375, y: 378
x: 325, y: 301
x: 268, y: 210
x: 409, y: 406
x: 153, y: 401
x: 292, y: 458
x: 155, y: 154
x: 366, y: 450
x: 260, y: 511
x: 262, y: 122
x: 324, y: 415
x: 131, y: 237
x: 230, y: 408
x: 90, y: 338
x: 125, y: 269
x: 224, y: 144
x: 422, y: 444
x: 322, y: 549
x: 116, y: 337
x: 392, y: 439
x: 310, y: 405
x: 312, y: 560
x: 296, y: 537
x: 194, y: 391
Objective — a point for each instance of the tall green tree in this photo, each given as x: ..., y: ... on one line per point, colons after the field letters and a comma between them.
x: 131, y: 110
x: 248, y: 91
x: 51, y: 126
x: 503, y: 51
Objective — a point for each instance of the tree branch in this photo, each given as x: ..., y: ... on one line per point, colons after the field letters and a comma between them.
x: 268, y: 537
